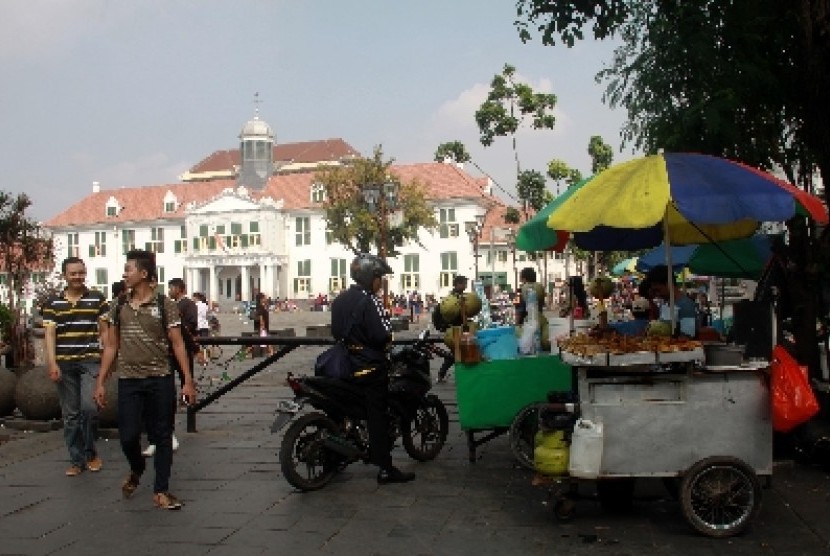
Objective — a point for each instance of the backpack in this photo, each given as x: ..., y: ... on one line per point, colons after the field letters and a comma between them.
x: 438, y: 319
x: 122, y: 300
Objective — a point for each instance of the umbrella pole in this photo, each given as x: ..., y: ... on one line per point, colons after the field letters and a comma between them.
x: 670, y: 269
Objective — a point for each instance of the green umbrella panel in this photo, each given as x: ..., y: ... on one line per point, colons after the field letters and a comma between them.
x: 534, y: 235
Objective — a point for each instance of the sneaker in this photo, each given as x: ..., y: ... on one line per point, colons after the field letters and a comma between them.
x: 175, y: 443
x: 150, y: 451
x: 166, y: 501
x: 394, y: 475
x: 129, y: 485
x: 95, y: 464
x: 74, y: 471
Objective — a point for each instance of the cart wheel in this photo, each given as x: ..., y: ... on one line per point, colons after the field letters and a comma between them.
x: 522, y: 432
x: 564, y: 509
x: 720, y: 496
x: 616, y: 494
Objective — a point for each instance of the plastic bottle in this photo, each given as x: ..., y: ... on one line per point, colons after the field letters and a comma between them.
x: 485, y: 319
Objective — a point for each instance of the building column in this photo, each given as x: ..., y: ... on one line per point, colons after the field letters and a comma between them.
x: 213, y: 278
x: 264, y: 284
x: 246, y: 283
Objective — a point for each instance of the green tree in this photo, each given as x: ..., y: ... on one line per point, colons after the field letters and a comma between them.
x: 559, y: 172
x: 453, y: 150
x: 353, y: 224
x: 531, y: 190
x: 25, y: 248
x: 512, y: 215
x: 601, y: 154
x: 574, y: 177
x: 509, y: 103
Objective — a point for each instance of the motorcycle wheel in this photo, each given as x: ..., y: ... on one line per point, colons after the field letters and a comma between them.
x: 425, y: 434
x: 306, y: 464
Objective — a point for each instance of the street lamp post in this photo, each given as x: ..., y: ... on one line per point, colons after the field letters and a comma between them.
x: 381, y: 199
x: 511, y: 243
x: 473, y: 229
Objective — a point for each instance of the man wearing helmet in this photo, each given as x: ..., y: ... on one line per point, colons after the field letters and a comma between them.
x: 359, y: 319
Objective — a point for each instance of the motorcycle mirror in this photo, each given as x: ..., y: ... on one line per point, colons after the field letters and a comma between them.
x: 423, y: 335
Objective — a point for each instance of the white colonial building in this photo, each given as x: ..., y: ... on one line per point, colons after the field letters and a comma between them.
x: 250, y: 220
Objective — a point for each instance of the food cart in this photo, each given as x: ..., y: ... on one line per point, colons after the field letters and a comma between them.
x: 656, y: 409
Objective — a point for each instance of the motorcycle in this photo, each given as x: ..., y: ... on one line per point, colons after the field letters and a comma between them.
x: 319, y: 444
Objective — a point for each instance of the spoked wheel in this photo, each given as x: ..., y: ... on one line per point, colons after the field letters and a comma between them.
x: 523, y: 430
x: 720, y: 496
x: 426, y: 433
x: 305, y: 462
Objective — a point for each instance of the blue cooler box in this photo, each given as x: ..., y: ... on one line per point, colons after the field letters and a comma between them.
x: 498, y: 343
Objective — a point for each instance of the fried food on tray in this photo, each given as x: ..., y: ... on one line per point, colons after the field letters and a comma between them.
x: 585, y: 345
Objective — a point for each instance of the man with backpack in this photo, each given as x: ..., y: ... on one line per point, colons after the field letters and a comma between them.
x: 145, y: 328
x: 188, y: 312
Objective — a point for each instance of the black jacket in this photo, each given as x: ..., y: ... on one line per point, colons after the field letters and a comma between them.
x: 370, y: 332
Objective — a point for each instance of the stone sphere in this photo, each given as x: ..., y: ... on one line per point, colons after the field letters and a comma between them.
x: 36, y: 396
x: 8, y: 382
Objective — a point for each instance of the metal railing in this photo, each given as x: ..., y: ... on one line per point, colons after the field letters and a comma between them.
x: 286, y: 346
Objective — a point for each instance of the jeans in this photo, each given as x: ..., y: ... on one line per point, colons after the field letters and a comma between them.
x: 147, y: 400
x: 80, y: 415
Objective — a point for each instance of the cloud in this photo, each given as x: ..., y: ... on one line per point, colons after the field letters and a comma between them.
x: 38, y: 29
x: 455, y: 120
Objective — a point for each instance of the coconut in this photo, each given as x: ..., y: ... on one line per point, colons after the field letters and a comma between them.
x: 451, y: 308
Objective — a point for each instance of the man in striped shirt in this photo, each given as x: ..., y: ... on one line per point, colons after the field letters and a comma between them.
x: 73, y: 350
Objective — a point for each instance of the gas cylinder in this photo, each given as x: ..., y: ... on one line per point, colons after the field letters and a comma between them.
x: 551, y: 453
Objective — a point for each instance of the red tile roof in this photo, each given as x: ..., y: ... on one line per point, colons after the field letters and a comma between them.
x: 303, y: 152
x: 441, y: 181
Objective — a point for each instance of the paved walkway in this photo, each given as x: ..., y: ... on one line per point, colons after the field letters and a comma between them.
x: 236, y: 501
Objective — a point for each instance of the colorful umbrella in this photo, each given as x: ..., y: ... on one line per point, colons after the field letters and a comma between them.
x: 738, y: 258
x: 534, y: 235
x: 690, y: 198
x: 625, y: 266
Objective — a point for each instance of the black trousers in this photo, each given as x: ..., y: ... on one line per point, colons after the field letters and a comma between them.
x: 376, y: 389
x: 151, y: 401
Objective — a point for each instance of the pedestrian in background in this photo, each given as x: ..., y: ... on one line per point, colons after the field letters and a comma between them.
x: 73, y: 321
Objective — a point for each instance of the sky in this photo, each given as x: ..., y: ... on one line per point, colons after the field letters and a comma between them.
x: 135, y: 93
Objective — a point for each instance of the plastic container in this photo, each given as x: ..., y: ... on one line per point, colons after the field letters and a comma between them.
x: 586, y: 450
x: 498, y: 343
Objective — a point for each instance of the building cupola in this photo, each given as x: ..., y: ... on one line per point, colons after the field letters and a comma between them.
x: 256, y: 143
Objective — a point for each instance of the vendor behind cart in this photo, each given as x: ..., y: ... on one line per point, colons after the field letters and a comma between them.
x: 641, y: 310
x: 660, y: 280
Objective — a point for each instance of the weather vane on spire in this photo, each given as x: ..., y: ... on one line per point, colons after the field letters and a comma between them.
x: 257, y: 102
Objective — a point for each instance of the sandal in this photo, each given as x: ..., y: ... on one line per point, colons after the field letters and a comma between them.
x: 130, y: 484
x: 166, y: 501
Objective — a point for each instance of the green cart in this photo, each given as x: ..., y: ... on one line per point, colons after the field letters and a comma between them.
x: 494, y: 396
